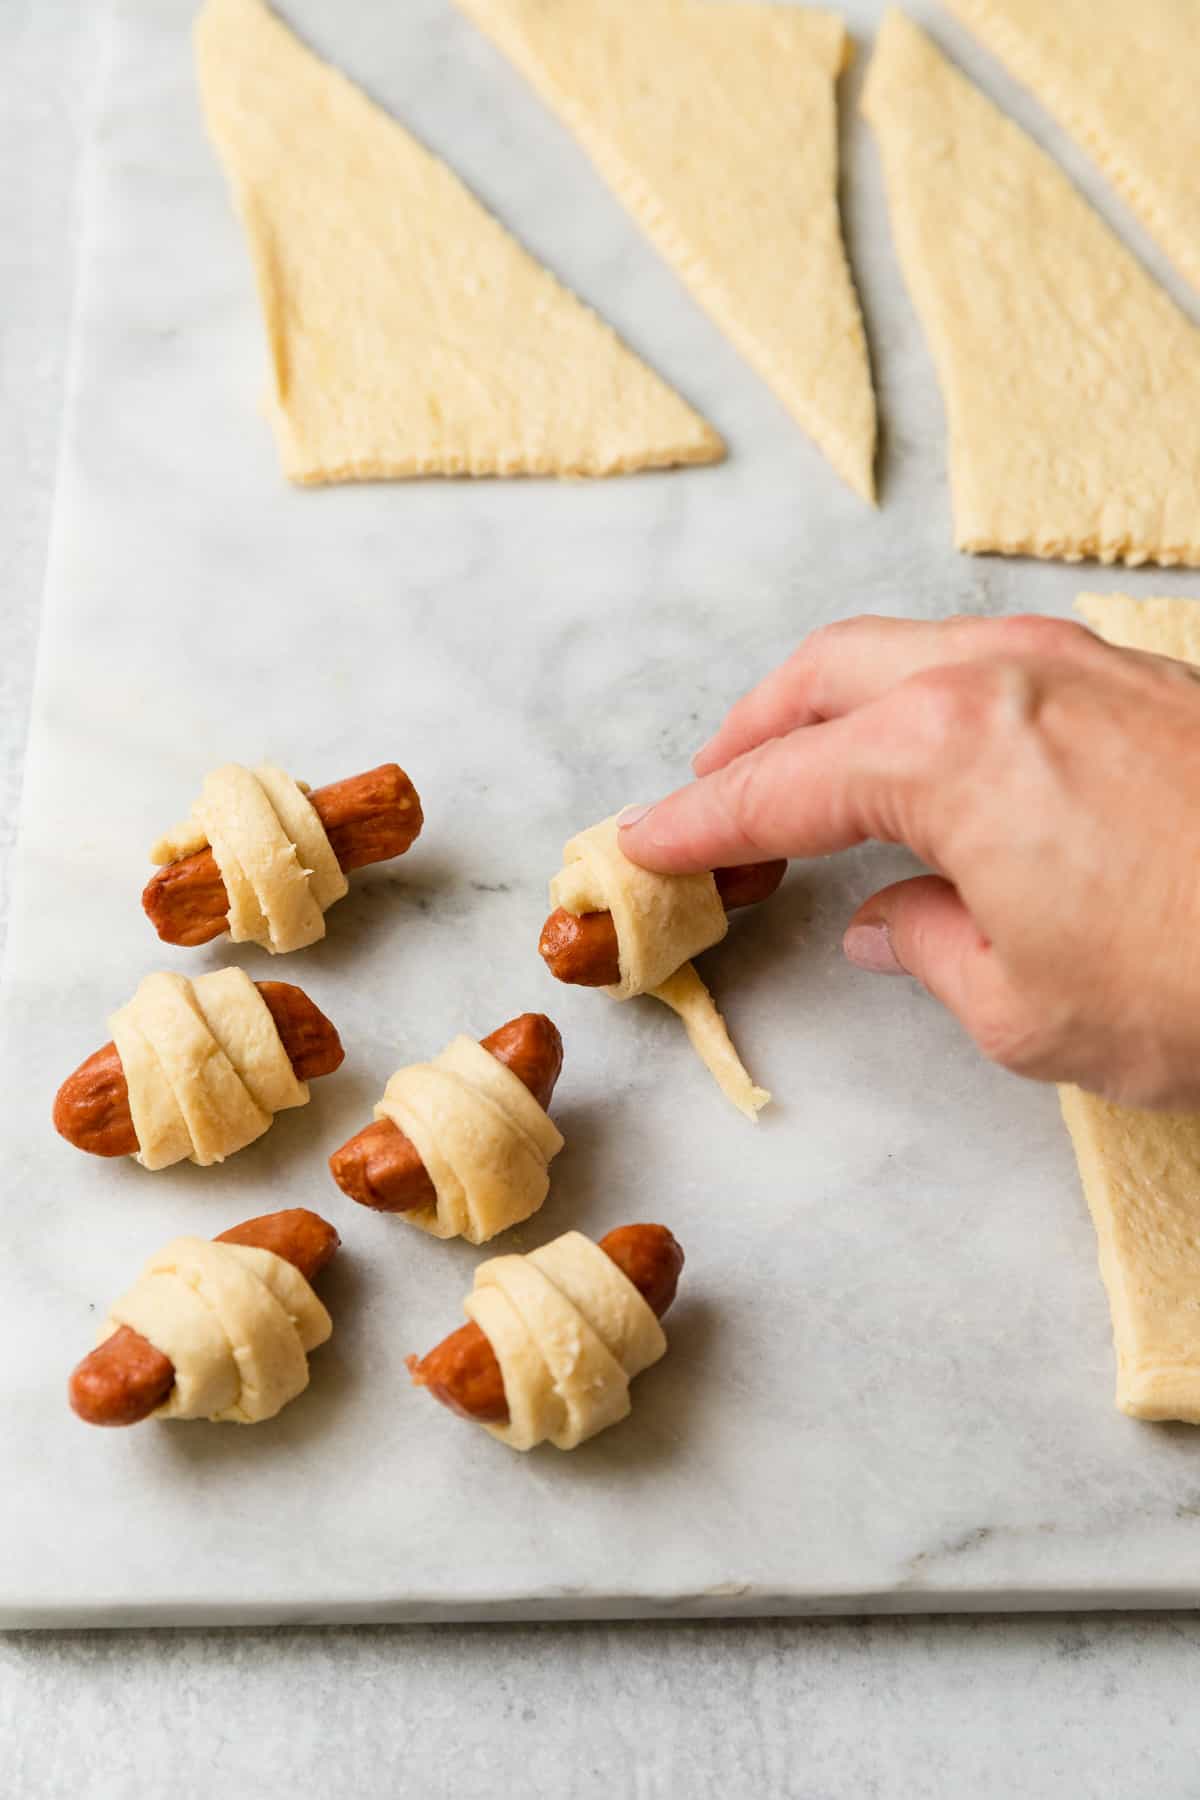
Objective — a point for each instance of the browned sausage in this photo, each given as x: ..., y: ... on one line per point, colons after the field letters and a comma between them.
x: 462, y: 1371
x: 380, y: 1167
x: 367, y: 818
x: 583, y: 950
x: 91, y: 1108
x: 300, y: 1237
x: 125, y: 1378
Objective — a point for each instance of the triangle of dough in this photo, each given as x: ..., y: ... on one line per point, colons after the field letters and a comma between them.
x: 1071, y: 380
x: 1168, y: 627
x: 1140, y: 1170
x: 1141, y: 1178
x: 716, y: 125
x: 1124, y: 77
x: 409, y: 333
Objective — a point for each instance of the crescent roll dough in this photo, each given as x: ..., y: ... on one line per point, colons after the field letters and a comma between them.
x: 204, y: 1064
x: 661, y: 921
x: 683, y: 105
x: 275, y: 859
x: 1140, y: 1170
x: 485, y: 1142
x: 236, y: 1322
x: 570, y: 1332
x: 408, y: 332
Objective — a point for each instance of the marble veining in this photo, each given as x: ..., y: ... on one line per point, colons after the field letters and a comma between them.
x: 890, y: 1375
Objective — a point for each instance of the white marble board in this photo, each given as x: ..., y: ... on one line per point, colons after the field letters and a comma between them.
x: 890, y: 1377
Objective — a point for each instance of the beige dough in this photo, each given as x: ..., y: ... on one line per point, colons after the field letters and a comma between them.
x: 686, y: 994
x: 236, y: 1322
x: 1165, y: 627
x: 1141, y: 1176
x: 204, y: 1064
x: 1141, y: 1171
x: 716, y: 124
x: 570, y: 1332
x: 409, y: 333
x: 485, y: 1142
x: 661, y: 921
x: 1071, y: 381
x: 275, y: 859
x: 1124, y: 79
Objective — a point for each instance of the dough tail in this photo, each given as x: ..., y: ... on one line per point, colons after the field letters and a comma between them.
x: 686, y: 994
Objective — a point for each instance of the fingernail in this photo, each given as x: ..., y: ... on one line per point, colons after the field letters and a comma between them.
x: 702, y: 751
x: 870, y: 947
x: 632, y: 815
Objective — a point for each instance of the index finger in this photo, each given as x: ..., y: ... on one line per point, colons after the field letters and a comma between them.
x: 851, y: 662
x: 815, y: 791
x: 835, y: 667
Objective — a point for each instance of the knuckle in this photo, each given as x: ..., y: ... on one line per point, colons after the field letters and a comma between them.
x: 961, y: 705
x: 1031, y: 634
x: 1024, y: 1029
x: 827, y: 642
x: 829, y: 635
x: 747, y: 798
x: 814, y: 654
x: 947, y: 703
x: 1012, y: 1036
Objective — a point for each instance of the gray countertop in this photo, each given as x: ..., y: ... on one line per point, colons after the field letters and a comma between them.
x: 1089, y: 1706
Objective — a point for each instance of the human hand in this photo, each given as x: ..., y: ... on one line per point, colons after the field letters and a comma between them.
x: 1052, y: 781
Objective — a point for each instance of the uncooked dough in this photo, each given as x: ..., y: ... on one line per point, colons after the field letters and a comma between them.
x: 717, y: 126
x: 1140, y: 1170
x: 1071, y: 380
x: 485, y: 1142
x: 275, y: 858
x: 570, y: 1331
x: 1123, y: 79
x: 661, y: 922
x: 686, y: 995
x: 204, y: 1064
x: 1165, y: 627
x: 236, y: 1322
x: 1141, y: 1177
x: 409, y: 333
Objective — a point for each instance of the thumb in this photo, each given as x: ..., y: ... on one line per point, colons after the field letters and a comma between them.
x: 921, y: 928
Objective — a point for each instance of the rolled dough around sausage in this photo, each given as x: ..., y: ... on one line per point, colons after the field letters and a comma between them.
x: 570, y: 1331
x: 661, y: 922
x: 1123, y: 79
x: 204, y: 1064
x: 485, y: 1142
x: 278, y: 866
x: 1071, y: 380
x: 717, y: 126
x: 409, y: 333
x: 236, y: 1322
x: 1140, y: 1170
